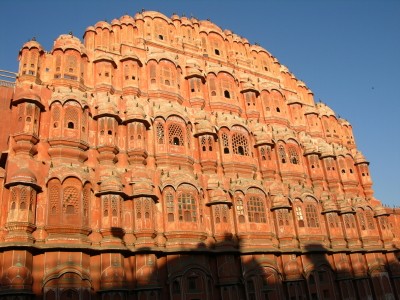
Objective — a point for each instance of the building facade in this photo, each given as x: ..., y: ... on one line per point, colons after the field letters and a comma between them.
x: 165, y: 158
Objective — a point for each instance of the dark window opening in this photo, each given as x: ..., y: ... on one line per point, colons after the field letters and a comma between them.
x: 294, y: 161
x: 312, y: 167
x: 176, y: 141
x: 192, y: 90
x: 216, y: 51
x: 209, y: 148
x: 107, y: 74
x: 226, y: 150
x: 301, y: 223
x: 71, y: 125
x: 192, y: 283
x: 28, y: 119
x: 227, y: 94
x: 55, y: 125
x: 133, y: 77
x: 351, y: 171
x: 343, y: 171
x: 278, y: 109
x: 161, y: 37
x: 213, y: 93
x: 240, y: 150
x: 109, y: 132
x: 204, y: 148
x: 283, y: 161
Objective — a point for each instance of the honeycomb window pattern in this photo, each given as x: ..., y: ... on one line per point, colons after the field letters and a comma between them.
x: 70, y: 205
x: 312, y: 216
x: 240, y: 144
x: 175, y: 135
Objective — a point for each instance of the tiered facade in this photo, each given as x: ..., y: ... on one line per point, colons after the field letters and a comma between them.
x: 164, y: 158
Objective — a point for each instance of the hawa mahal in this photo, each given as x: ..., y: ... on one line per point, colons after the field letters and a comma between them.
x: 165, y: 158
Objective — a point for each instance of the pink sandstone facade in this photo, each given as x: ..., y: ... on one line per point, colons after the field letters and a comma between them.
x: 165, y: 158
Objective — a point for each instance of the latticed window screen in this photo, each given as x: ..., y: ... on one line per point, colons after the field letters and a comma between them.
x: 85, y: 202
x: 240, y: 144
x: 282, y: 154
x: 147, y: 207
x: 312, y: 216
x: 71, y: 116
x: 14, y: 197
x: 160, y: 133
x: 217, y: 214
x: 239, y: 207
x: 210, y: 143
x: 54, y: 195
x: 225, y: 213
x: 105, y: 206
x: 256, y: 210
x: 70, y: 200
x: 23, y: 198
x: 361, y: 218
x: 294, y: 156
x: 169, y: 199
x: 283, y: 217
x: 370, y: 219
x: 299, y: 216
x: 114, y: 206
x: 187, y: 210
x: 225, y: 142
x: 71, y: 64
x: 175, y: 135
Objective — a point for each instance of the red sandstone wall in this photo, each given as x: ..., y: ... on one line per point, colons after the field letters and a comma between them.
x: 5, y: 116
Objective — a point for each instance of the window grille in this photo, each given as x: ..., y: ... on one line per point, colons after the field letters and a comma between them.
x: 187, y: 208
x: 160, y: 133
x: 70, y: 199
x: 312, y: 216
x: 299, y: 216
x: 370, y: 219
x: 175, y: 135
x: 240, y: 144
x: 256, y: 210
x: 294, y: 156
x: 282, y: 154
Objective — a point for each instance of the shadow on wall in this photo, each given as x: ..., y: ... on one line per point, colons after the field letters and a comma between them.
x: 224, y: 270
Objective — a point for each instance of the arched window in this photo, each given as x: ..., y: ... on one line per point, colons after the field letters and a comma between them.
x: 256, y: 210
x: 282, y: 154
x: 70, y: 200
x: 225, y: 143
x: 175, y: 135
x: 361, y: 218
x: 312, y: 216
x: 160, y: 133
x: 71, y: 117
x: 227, y: 94
x: 370, y: 219
x: 240, y: 144
x: 294, y: 157
x: 299, y: 216
x: 187, y: 210
x: 240, y: 210
x: 169, y: 199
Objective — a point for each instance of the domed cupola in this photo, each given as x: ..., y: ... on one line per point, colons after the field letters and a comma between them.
x: 23, y: 176
x: 30, y: 57
x: 280, y: 201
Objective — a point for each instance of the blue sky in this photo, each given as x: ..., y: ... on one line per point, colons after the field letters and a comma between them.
x: 346, y: 51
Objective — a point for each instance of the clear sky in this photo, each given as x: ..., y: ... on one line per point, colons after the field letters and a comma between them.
x: 346, y: 51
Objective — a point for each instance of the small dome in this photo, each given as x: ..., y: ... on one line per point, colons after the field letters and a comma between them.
x: 106, y: 105
x: 218, y: 195
x: 23, y: 175
x: 142, y: 184
x: 115, y: 22
x: 111, y: 183
x: 309, y: 109
x: 102, y: 25
x: 17, y: 276
x: 329, y: 206
x: 324, y: 110
x: 68, y: 41
x: 32, y: 44
x: 280, y: 201
x: 155, y: 14
x: 262, y: 135
x: 380, y: 211
x: 204, y: 127
x: 127, y: 20
x: 360, y: 159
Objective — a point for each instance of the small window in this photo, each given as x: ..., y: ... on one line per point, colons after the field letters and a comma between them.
x: 216, y: 51
x: 227, y: 94
x: 240, y: 150
x: 278, y: 109
x: 176, y: 141
x: 70, y: 209
x: 226, y: 150
x: 71, y: 125
x: 109, y: 132
x: 161, y: 37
